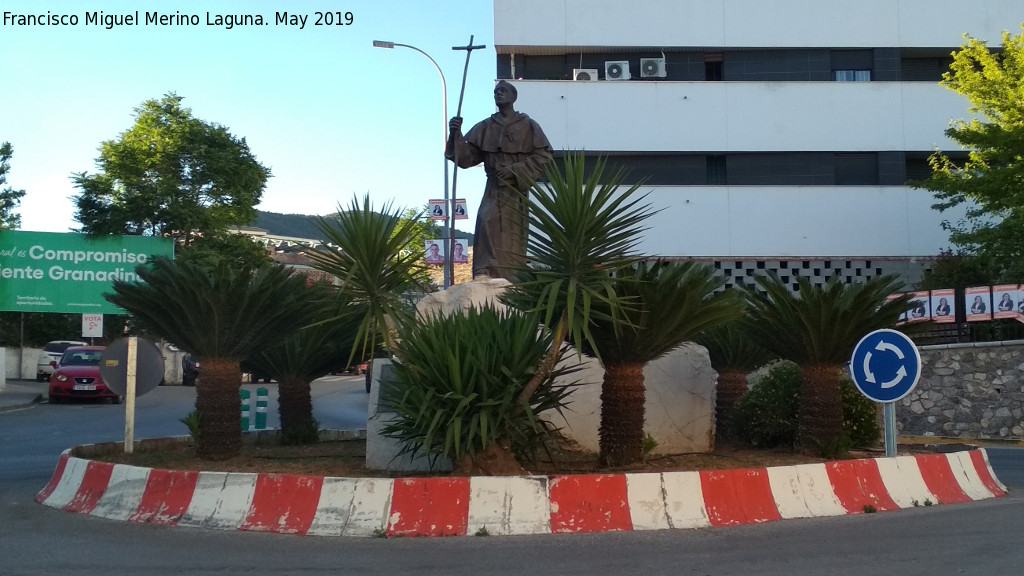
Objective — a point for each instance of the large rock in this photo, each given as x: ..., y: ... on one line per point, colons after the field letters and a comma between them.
x: 679, y: 409
x: 461, y: 297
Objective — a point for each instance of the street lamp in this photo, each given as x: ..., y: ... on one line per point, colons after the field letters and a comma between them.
x: 449, y: 266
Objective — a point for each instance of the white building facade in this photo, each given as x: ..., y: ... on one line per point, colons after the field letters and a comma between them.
x: 773, y: 134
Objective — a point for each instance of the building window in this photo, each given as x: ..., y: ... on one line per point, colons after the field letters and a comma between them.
x: 856, y: 169
x: 713, y: 66
x: 851, y: 75
x: 716, y: 170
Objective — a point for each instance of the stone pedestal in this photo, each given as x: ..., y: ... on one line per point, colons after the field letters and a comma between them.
x: 462, y: 297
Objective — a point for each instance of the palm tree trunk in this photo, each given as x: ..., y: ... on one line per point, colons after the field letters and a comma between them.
x: 621, y: 436
x: 220, y: 419
x: 732, y: 387
x: 496, y: 459
x: 295, y: 406
x: 821, y: 408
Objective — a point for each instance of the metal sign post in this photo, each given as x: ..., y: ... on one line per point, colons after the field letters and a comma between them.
x: 129, y: 396
x: 131, y: 367
x: 886, y: 366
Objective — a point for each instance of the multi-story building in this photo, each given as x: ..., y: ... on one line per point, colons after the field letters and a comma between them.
x: 773, y: 134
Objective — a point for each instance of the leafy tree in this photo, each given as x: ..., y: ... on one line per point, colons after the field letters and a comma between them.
x: 237, y: 249
x: 171, y: 174
x: 223, y: 314
x: 990, y: 183
x: 668, y: 304
x: 10, y: 198
x: 818, y: 328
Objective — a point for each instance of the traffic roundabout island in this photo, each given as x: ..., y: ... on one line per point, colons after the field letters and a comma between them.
x: 460, y: 506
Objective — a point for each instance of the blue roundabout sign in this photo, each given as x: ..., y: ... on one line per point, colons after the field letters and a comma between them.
x: 885, y: 365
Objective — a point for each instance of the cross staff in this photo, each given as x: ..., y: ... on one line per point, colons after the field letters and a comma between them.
x: 449, y: 260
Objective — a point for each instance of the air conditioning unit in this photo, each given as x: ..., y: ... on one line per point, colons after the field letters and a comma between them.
x: 616, y: 70
x: 584, y: 74
x: 652, y: 67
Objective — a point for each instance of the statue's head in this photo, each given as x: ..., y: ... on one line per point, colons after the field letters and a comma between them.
x: 505, y: 93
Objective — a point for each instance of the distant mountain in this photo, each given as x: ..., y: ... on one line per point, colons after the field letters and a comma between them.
x: 300, y: 226
x: 294, y: 225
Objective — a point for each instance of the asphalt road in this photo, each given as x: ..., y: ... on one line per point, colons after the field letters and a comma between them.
x: 979, y: 538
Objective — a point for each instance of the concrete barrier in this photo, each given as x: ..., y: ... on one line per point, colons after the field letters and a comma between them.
x: 459, y: 506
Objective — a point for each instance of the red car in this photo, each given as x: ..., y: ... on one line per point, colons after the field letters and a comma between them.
x: 77, y: 375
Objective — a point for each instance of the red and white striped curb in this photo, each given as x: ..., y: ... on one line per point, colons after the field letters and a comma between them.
x: 312, y: 505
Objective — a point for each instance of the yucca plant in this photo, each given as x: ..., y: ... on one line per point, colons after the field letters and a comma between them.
x: 818, y: 328
x: 668, y: 304
x: 456, y: 389
x: 377, y: 261
x: 734, y: 355
x: 223, y: 314
x: 583, y: 230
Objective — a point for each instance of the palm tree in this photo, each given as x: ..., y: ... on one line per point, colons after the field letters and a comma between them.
x: 583, y: 229
x: 304, y: 356
x: 668, y: 304
x: 818, y: 328
x: 377, y: 261
x: 223, y: 314
x: 733, y: 355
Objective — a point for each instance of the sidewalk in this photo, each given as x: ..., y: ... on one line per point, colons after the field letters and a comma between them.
x: 21, y: 393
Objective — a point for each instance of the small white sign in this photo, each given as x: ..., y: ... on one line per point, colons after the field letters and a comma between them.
x: 92, y: 325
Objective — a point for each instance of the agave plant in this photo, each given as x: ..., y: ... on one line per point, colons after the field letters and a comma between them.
x: 583, y: 230
x: 374, y: 256
x: 669, y: 304
x: 818, y: 328
x: 223, y: 314
x: 456, y: 389
x: 733, y: 355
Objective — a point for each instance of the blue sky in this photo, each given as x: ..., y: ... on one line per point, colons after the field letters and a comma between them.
x: 328, y: 113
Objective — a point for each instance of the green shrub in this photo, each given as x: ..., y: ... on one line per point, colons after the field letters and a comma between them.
x: 768, y: 416
x: 860, y: 416
x: 456, y: 387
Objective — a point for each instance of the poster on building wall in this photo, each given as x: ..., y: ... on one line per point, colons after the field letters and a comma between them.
x: 920, y: 307
x: 978, y: 303
x: 943, y: 306
x: 1005, y: 297
x: 890, y: 298
x: 69, y: 273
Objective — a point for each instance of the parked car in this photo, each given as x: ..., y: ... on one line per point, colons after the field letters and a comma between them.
x: 189, y: 370
x: 77, y: 376
x: 51, y: 353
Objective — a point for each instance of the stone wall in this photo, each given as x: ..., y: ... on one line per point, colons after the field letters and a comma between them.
x: 967, y: 391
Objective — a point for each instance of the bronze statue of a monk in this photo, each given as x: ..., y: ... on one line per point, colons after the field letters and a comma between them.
x: 515, y: 153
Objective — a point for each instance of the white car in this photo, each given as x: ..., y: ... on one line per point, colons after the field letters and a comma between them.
x: 51, y: 353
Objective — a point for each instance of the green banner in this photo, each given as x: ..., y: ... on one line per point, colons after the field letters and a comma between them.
x: 50, y: 272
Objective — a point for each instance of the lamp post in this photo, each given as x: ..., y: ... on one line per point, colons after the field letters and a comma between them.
x: 449, y: 266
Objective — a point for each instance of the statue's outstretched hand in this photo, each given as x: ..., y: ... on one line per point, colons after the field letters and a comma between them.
x: 455, y: 125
